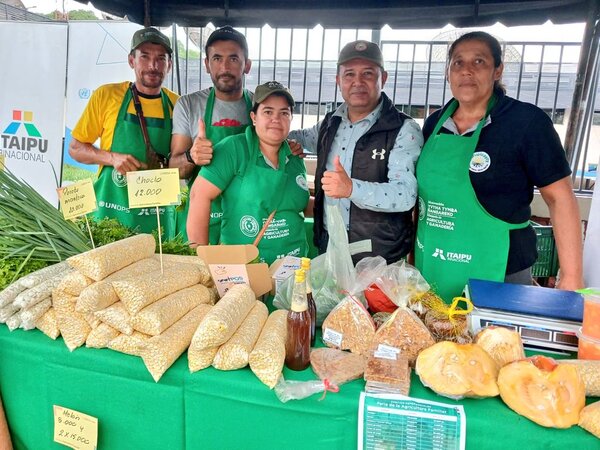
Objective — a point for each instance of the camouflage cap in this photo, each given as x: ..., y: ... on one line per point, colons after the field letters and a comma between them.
x: 271, y: 87
x: 150, y: 35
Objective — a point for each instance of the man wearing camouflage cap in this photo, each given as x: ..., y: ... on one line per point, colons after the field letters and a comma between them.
x: 116, y: 114
x: 366, y: 155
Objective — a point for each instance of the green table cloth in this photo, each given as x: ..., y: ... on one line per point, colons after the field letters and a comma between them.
x: 211, y: 409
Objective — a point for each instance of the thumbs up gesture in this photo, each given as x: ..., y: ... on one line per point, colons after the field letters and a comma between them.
x: 336, y: 183
x: 202, y: 148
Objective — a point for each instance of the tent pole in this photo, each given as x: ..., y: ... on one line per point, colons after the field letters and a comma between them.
x: 587, y: 61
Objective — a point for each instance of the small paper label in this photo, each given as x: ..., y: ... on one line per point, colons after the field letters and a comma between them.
x: 77, y: 199
x: 75, y: 429
x: 332, y: 337
x: 158, y: 187
x: 226, y: 275
x: 386, y: 352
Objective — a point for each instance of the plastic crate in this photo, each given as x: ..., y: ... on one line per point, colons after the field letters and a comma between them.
x: 547, y: 260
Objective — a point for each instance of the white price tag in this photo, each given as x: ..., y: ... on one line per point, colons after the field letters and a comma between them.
x: 332, y: 337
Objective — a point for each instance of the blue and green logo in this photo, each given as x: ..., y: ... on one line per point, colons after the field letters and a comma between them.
x: 21, y: 139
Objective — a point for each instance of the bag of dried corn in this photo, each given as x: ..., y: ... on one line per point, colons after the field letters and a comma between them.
x: 224, y: 318
x: 163, y: 350
x: 234, y: 353
x: 143, y: 290
x: 102, y: 261
x: 163, y: 313
x: 268, y: 355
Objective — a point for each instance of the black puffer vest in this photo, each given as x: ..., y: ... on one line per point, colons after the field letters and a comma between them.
x: 391, y: 234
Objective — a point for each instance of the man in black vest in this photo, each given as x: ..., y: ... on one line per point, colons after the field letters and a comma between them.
x: 366, y: 156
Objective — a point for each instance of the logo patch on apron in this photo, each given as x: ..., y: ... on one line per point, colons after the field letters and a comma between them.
x: 421, y: 208
x: 480, y: 162
x: 249, y: 226
x: 118, y: 179
x: 301, y: 181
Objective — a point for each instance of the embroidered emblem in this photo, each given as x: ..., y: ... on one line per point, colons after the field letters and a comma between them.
x: 421, y: 208
x: 377, y: 153
x: 118, y: 179
x: 360, y: 46
x: 480, y: 162
x: 249, y: 226
x: 301, y: 181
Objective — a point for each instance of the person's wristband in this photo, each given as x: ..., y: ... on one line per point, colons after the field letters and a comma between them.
x: 188, y: 156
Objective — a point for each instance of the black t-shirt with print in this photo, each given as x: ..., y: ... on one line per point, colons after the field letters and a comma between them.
x: 524, y: 152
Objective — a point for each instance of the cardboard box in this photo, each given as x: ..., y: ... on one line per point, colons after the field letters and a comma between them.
x: 283, y: 268
x: 230, y: 264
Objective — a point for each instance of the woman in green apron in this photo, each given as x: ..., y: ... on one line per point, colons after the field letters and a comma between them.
x: 484, y: 155
x: 262, y: 185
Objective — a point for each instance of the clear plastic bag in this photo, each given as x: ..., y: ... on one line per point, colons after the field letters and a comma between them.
x: 332, y: 274
x: 297, y: 390
x: 403, y: 284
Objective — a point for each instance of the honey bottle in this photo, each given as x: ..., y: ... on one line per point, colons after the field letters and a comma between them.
x: 312, y: 306
x: 297, y: 346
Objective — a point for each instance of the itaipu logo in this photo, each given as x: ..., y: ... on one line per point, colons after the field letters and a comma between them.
x: 451, y: 256
x: 22, y: 140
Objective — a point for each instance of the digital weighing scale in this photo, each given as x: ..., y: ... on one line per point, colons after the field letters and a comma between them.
x: 546, y: 319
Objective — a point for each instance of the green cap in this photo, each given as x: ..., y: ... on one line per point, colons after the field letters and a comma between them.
x: 150, y: 35
x: 363, y: 50
x: 271, y: 87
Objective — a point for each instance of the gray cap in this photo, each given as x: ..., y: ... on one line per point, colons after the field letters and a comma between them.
x: 150, y: 35
x: 271, y: 87
x: 363, y: 50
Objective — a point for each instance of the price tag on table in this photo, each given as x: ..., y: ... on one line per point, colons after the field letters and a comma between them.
x: 396, y: 421
x: 77, y: 199
x: 75, y: 429
x: 158, y: 187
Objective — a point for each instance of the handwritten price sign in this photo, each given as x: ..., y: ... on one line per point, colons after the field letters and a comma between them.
x: 77, y: 199
x: 158, y: 187
x: 75, y: 429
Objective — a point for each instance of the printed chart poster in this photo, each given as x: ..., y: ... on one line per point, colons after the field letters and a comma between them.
x: 97, y: 55
x: 32, y: 106
x: 393, y: 421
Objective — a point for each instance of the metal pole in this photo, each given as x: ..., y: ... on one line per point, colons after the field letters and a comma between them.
x: 587, y: 60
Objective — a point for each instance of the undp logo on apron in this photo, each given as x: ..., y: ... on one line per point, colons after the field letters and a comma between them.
x: 249, y: 226
x: 480, y: 162
x: 118, y: 179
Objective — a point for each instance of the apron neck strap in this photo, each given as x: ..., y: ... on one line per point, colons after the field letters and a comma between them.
x: 452, y: 109
x: 210, y: 104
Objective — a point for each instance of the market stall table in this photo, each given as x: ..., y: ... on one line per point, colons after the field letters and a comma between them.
x: 210, y: 409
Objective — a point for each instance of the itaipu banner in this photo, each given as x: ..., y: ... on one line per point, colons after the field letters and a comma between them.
x: 97, y: 55
x: 32, y: 86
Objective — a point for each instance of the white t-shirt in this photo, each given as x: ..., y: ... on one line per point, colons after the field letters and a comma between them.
x: 191, y: 107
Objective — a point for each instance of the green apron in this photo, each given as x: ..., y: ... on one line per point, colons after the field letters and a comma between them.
x: 111, y: 186
x: 457, y: 238
x: 216, y: 135
x: 257, y: 192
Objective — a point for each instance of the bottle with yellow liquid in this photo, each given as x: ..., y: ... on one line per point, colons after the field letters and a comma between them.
x: 312, y: 306
x: 297, y: 346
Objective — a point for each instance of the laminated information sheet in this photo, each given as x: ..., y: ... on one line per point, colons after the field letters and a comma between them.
x: 397, y: 422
